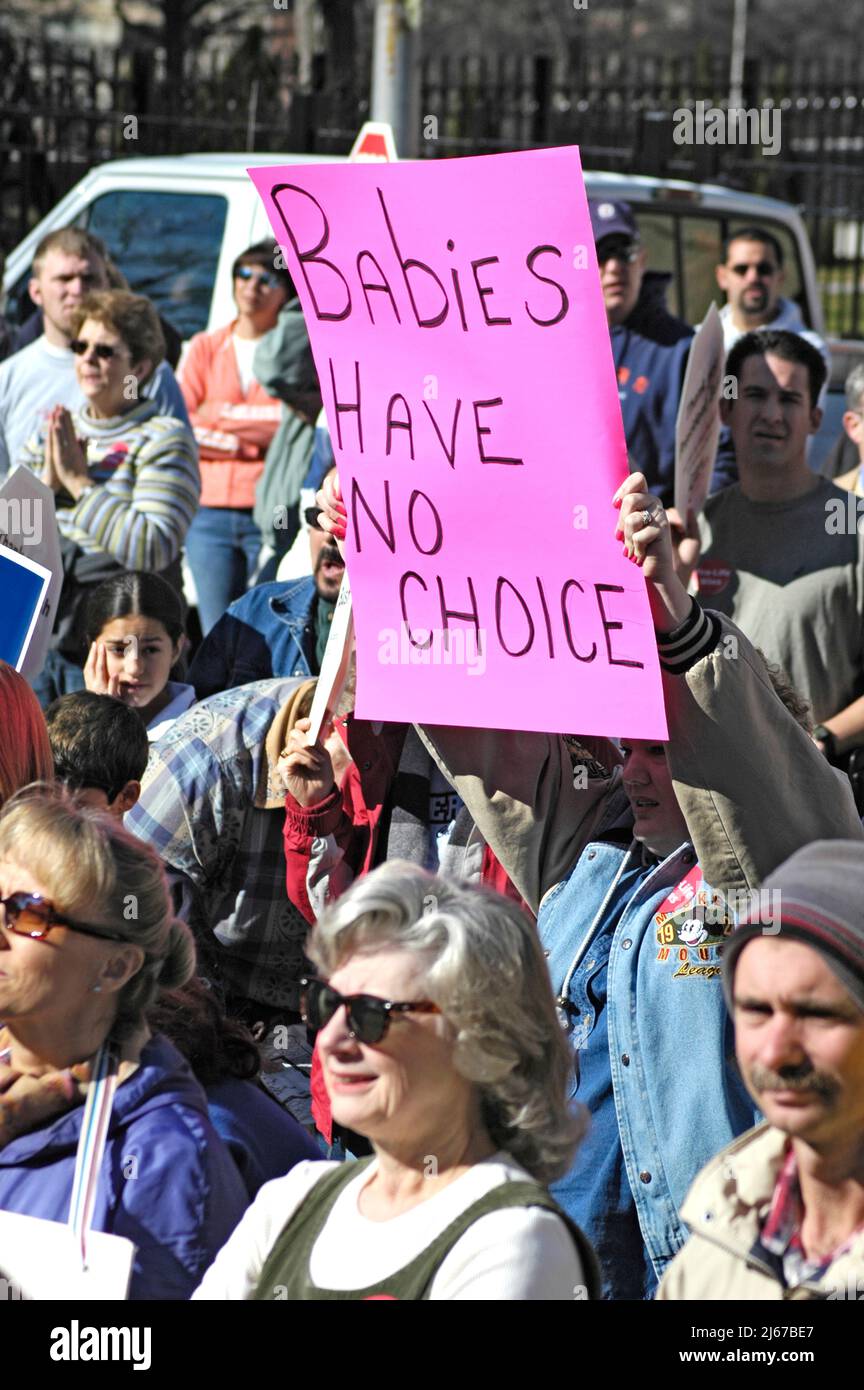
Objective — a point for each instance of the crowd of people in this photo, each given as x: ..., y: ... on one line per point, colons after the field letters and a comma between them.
x: 424, y: 1011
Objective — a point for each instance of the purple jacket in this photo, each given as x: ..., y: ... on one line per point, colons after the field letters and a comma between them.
x: 168, y: 1183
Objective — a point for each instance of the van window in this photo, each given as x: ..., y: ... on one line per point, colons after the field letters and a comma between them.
x: 167, y: 245
x: 689, y: 245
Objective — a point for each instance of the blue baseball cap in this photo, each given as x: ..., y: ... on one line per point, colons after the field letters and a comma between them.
x: 610, y: 218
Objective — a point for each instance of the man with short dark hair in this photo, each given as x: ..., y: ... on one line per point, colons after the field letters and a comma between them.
x: 649, y: 346
x: 779, y: 1213
x: 774, y: 556
x: 100, y: 749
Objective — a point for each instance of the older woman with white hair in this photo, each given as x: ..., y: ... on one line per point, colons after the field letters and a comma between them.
x: 87, y: 939
x: 439, y: 1042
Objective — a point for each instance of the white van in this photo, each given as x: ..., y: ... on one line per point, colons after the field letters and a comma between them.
x: 175, y: 224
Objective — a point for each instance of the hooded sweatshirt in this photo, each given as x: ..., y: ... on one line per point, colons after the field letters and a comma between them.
x: 650, y: 351
x: 167, y: 1182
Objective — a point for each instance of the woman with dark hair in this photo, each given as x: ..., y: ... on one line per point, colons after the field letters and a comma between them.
x: 135, y: 633
x: 234, y: 421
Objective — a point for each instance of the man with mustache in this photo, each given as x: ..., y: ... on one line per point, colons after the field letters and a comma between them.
x: 751, y: 277
x: 277, y: 629
x: 779, y: 1213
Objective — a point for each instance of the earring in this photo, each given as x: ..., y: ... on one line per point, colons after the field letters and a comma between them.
x: 95, y: 989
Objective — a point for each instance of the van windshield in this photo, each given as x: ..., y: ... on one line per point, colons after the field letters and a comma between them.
x: 689, y: 246
x: 167, y: 245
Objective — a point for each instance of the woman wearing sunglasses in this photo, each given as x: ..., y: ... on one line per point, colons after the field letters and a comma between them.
x: 125, y: 477
x: 87, y: 939
x: 439, y: 1042
x: 234, y: 420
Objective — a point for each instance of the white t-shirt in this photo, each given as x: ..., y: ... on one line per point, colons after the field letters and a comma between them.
x: 244, y: 351
x: 524, y: 1253
x: 32, y: 382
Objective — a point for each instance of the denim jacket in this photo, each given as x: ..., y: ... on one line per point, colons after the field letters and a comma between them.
x: 264, y: 634
x: 753, y: 789
x: 678, y: 1093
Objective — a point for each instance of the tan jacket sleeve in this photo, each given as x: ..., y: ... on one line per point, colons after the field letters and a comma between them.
x: 519, y: 790
x: 753, y: 786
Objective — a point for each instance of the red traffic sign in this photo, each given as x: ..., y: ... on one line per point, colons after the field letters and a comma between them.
x: 374, y: 144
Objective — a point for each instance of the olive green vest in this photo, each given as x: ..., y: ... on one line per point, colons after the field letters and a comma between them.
x: 286, y: 1271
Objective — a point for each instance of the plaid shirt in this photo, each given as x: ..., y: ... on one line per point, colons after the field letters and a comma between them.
x: 223, y: 852
x: 781, y: 1233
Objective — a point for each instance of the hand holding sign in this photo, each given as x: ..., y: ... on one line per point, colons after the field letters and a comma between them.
x: 333, y: 515
x: 306, y: 772
x: 644, y: 527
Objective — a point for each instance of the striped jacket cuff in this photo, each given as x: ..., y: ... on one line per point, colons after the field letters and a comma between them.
x: 689, y: 642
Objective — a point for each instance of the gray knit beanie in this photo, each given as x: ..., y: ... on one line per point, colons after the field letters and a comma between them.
x: 820, y: 894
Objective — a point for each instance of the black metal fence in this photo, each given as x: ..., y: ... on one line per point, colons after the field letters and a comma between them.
x: 63, y: 111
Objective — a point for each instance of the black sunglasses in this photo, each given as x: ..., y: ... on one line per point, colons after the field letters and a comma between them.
x: 310, y: 516
x: 29, y: 914
x: 369, y: 1018
x: 102, y: 350
x: 626, y: 251
x: 265, y: 277
x: 763, y: 269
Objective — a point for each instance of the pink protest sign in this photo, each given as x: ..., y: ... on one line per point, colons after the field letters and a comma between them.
x: 458, y: 328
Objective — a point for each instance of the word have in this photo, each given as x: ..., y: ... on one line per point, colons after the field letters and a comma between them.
x: 441, y: 647
x: 709, y: 125
x: 399, y: 416
x: 549, y: 308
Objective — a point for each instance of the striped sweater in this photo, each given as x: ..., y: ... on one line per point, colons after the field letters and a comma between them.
x: 144, y: 467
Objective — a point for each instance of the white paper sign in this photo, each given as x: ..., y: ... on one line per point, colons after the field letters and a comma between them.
x: 41, y: 1260
x: 337, y: 658
x: 697, y: 429
x: 28, y: 525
